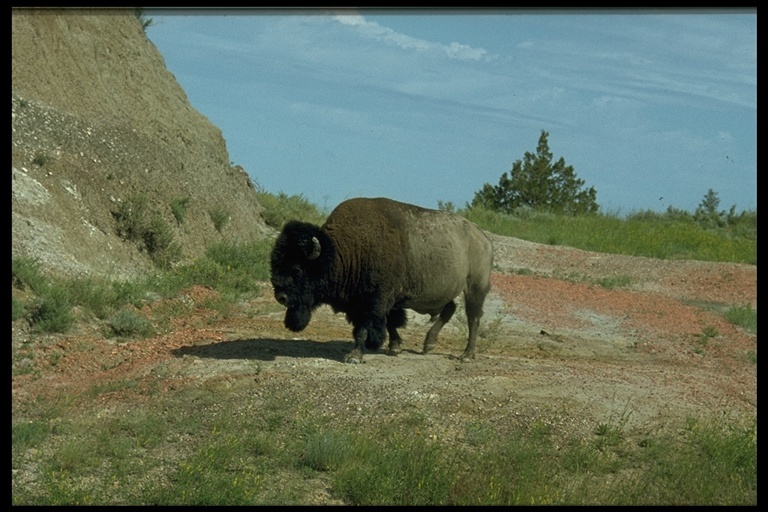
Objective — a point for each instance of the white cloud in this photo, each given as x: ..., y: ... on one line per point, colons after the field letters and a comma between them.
x: 375, y: 31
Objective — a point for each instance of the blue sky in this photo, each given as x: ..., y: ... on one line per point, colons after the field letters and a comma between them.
x: 651, y: 108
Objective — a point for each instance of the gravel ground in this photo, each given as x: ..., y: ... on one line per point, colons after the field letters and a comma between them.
x: 554, y: 347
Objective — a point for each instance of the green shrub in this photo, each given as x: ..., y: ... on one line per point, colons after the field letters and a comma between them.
x: 160, y: 243
x: 128, y: 323
x: 280, y: 208
x: 29, y: 433
x: 41, y: 159
x: 219, y: 217
x: 202, y: 271
x: 17, y: 309
x: 101, y: 297
x: 743, y: 316
x: 137, y: 224
x: 328, y: 450
x: 179, y: 208
x: 26, y: 273
x: 143, y: 19
x: 51, y: 312
x: 250, y: 258
x: 131, y: 217
x: 229, y: 267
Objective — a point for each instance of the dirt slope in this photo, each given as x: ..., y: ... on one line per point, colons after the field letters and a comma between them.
x: 97, y: 121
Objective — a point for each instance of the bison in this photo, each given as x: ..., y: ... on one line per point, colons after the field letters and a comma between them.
x: 375, y: 257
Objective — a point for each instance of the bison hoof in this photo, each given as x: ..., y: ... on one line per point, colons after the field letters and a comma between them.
x: 394, y: 350
x: 354, y: 358
x: 429, y: 348
x: 467, y: 357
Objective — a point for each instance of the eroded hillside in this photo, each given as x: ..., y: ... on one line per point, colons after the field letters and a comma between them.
x: 98, y: 125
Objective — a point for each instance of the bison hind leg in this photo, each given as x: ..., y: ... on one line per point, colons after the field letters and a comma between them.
x: 474, y: 306
x: 445, y: 315
x: 396, y: 318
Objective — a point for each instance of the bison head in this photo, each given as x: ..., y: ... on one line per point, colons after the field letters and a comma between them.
x: 299, y: 263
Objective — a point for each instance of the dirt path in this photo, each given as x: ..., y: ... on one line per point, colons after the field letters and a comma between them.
x: 555, y: 347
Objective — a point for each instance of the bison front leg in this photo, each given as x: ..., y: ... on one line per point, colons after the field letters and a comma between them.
x: 360, y: 334
x: 368, y: 335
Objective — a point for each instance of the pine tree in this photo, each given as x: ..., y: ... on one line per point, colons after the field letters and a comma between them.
x: 540, y: 184
x: 707, y: 215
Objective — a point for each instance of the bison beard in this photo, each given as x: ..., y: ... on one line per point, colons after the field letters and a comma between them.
x: 297, y: 319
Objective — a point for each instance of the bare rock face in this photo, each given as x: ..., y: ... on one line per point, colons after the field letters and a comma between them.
x: 101, y: 129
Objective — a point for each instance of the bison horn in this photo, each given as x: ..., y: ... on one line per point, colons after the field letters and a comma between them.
x: 315, y: 249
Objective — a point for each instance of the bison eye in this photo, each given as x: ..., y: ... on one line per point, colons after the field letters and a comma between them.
x: 297, y: 271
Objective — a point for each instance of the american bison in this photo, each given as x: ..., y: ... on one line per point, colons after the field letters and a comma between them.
x: 375, y: 257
